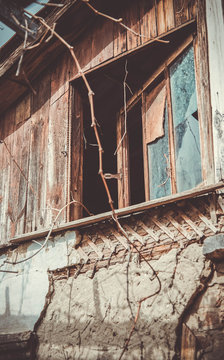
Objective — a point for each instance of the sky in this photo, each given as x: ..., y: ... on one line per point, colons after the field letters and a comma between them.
x: 6, y: 33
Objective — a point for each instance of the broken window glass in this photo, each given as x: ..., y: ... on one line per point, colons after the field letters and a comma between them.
x: 159, y: 164
x: 185, y: 119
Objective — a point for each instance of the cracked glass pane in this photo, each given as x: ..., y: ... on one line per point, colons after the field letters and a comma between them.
x: 186, y: 126
x: 159, y: 164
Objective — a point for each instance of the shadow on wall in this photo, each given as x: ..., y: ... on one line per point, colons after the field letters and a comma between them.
x: 14, y: 323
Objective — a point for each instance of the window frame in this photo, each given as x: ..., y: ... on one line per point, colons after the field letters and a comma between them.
x: 124, y: 196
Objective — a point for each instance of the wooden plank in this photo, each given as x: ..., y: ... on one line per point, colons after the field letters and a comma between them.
x: 188, y: 344
x: 178, y: 227
x: 36, y: 212
x: 121, y: 212
x: 60, y: 78
x: 148, y: 20
x: 122, y: 163
x: 204, y: 219
x: 102, y: 42
x: 95, y: 248
x: 106, y: 241
x: 180, y: 11
x: 212, y: 208
x: 23, y: 110
x: 149, y: 231
x: 120, y: 39
x: 203, y: 95
x: 76, y: 179
x: 132, y: 20
x: 162, y: 227
x: 135, y: 234
x: 190, y: 222
x: 57, y: 155
x: 82, y: 254
x: 121, y: 239
x: 161, y: 25
x: 169, y: 14
x: 192, y: 9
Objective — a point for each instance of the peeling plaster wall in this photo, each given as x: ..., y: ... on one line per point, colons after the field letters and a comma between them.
x: 206, y: 319
x: 90, y: 318
x: 22, y: 295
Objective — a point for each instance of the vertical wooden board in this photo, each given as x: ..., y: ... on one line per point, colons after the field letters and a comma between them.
x: 23, y: 110
x: 60, y: 77
x: 77, y: 155
x: 160, y: 15
x: 37, y: 215
x: 132, y: 20
x: 18, y: 176
x: 203, y: 95
x: 148, y: 20
x: 180, y: 11
x: 120, y: 39
x: 215, y: 29
x: 102, y: 42
x: 83, y: 51
x: 4, y: 193
x: 192, y: 9
x: 122, y: 164
x: 169, y: 14
x: 58, y: 155
x: 43, y: 88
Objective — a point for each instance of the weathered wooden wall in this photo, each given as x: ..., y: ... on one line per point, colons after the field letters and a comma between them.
x: 36, y: 129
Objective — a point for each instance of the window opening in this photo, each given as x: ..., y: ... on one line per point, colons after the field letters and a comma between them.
x: 135, y: 150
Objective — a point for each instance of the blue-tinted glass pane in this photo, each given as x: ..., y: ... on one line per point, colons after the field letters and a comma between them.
x: 186, y: 126
x: 158, y: 156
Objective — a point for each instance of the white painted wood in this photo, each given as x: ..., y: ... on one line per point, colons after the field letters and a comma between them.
x: 215, y: 29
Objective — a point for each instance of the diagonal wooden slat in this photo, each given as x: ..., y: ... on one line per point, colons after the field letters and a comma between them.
x: 162, y: 227
x: 191, y: 223
x: 95, y: 248
x: 179, y: 227
x: 121, y: 239
x: 135, y: 234
x: 148, y: 230
x: 203, y: 218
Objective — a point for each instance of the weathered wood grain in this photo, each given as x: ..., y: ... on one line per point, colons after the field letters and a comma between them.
x: 148, y: 20
x: 203, y: 95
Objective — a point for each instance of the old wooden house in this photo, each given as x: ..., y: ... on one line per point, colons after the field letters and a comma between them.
x: 111, y: 180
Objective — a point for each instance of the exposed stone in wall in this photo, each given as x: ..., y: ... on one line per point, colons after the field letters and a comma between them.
x: 90, y: 318
x: 206, y: 320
